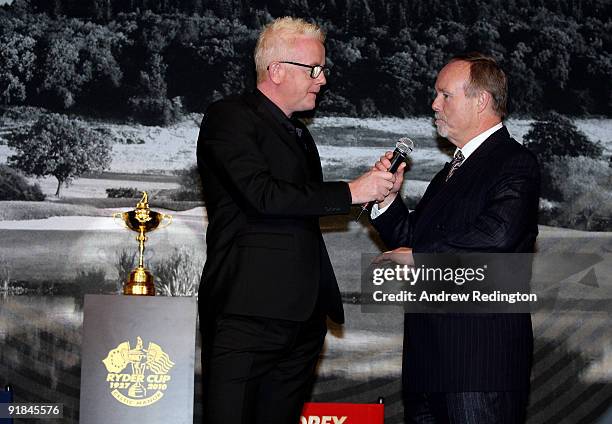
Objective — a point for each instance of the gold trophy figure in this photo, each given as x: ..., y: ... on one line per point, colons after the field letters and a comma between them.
x: 136, y: 358
x: 142, y: 220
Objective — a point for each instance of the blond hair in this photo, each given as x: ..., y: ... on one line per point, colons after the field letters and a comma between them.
x: 278, y: 38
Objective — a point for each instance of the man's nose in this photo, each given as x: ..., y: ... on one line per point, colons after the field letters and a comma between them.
x: 435, y: 105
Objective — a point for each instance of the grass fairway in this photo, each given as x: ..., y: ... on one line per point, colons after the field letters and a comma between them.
x: 96, y: 187
x: 54, y: 255
x: 15, y: 210
x: 347, y: 152
x: 21, y: 210
x: 34, y: 251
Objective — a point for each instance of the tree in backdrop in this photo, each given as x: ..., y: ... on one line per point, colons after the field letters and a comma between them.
x: 58, y: 146
x: 13, y: 186
x: 191, y: 185
x: 151, y: 106
x: 555, y: 136
x: 16, y: 67
x: 148, y: 59
x: 585, y: 185
x: 80, y: 64
x: 148, y: 101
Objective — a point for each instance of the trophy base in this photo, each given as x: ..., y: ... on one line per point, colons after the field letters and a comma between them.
x: 140, y: 283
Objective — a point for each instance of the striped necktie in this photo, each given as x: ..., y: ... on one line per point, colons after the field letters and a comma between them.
x: 455, y: 163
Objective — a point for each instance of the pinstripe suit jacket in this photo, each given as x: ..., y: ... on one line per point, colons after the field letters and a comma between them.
x: 489, y: 205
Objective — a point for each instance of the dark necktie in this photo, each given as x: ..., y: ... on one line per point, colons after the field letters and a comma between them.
x: 455, y: 163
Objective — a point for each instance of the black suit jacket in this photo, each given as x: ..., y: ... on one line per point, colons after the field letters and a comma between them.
x: 264, y: 194
x: 490, y: 204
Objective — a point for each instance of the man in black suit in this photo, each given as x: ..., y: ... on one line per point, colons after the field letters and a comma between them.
x: 268, y: 283
x: 461, y: 368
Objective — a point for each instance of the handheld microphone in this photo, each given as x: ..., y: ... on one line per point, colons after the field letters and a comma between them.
x: 402, y: 148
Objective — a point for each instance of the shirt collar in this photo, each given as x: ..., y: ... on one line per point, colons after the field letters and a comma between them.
x: 475, y: 143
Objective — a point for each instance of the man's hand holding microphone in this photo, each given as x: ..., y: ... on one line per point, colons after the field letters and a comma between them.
x: 384, y: 163
x: 389, y: 167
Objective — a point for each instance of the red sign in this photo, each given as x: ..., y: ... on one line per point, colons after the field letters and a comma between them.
x: 343, y: 413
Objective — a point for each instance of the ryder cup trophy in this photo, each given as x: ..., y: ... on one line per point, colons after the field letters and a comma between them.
x: 142, y: 220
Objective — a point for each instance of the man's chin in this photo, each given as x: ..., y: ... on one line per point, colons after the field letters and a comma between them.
x: 442, y: 132
x: 306, y: 106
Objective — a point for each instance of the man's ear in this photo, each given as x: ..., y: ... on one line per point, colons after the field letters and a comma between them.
x: 276, y: 72
x: 484, y: 99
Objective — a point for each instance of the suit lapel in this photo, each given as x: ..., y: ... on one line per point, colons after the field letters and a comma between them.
x: 312, y: 154
x: 443, y: 192
x: 262, y: 111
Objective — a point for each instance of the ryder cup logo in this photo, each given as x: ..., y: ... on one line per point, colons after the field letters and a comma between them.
x: 138, y: 376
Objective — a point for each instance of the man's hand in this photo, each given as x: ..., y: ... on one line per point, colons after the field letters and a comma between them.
x: 374, y: 185
x: 383, y: 164
x: 401, y: 256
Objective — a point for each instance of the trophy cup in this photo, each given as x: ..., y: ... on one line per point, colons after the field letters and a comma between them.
x: 142, y: 220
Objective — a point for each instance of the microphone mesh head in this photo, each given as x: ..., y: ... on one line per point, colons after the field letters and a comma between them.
x: 405, y: 145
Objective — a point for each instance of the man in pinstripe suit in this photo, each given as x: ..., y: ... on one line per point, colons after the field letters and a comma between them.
x: 466, y: 368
